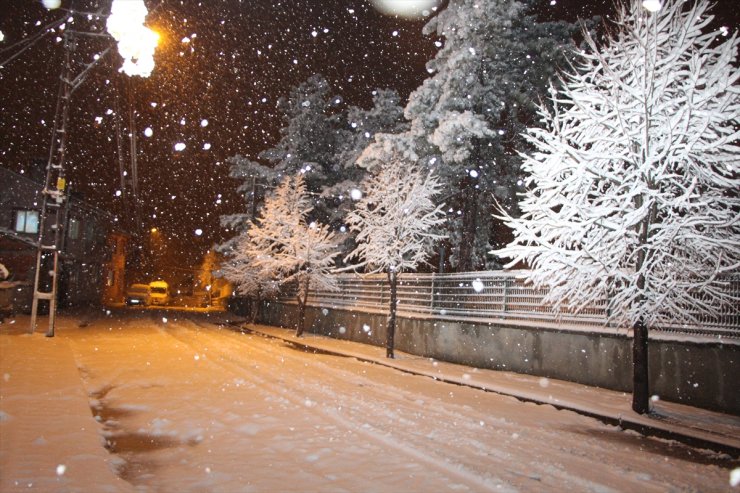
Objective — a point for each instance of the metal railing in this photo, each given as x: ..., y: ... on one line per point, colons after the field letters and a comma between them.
x: 490, y: 296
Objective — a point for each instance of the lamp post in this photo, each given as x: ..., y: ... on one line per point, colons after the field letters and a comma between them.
x: 652, y: 5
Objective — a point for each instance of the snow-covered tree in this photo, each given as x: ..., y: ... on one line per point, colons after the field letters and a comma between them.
x: 297, y: 251
x: 359, y: 129
x: 250, y: 174
x: 633, y: 188
x: 308, y: 141
x: 395, y: 221
x: 466, y: 118
x: 320, y: 138
x: 252, y: 279
x: 207, y: 267
x: 385, y: 115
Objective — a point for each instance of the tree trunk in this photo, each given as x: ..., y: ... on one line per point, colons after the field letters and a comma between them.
x: 256, y: 304
x: 469, y: 225
x: 640, y: 370
x: 302, y: 309
x: 640, y: 373
x: 390, y: 335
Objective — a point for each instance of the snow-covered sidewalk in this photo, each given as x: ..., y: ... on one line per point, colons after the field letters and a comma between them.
x: 670, y: 420
x: 49, y: 440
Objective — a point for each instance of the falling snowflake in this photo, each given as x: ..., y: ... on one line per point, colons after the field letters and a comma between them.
x: 478, y: 285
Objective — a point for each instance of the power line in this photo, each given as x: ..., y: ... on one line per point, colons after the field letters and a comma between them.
x: 29, y: 42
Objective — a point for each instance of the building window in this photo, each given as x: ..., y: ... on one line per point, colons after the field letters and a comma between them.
x: 27, y: 221
x: 74, y: 229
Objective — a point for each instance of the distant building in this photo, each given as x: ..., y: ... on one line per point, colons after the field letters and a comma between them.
x: 93, y: 255
x: 114, y: 292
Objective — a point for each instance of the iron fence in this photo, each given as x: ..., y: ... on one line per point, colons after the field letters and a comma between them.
x: 491, y: 296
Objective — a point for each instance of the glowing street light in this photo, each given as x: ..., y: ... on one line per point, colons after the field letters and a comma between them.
x: 413, y: 9
x: 652, y: 5
x: 136, y: 42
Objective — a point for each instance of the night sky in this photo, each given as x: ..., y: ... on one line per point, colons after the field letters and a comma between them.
x: 221, y: 66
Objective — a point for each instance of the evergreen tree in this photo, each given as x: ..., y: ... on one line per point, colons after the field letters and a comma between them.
x: 321, y: 140
x: 466, y: 117
x: 309, y: 139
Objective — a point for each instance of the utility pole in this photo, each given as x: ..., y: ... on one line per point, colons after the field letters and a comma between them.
x: 54, y: 195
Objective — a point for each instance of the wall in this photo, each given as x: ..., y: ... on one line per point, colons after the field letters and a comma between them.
x: 701, y: 374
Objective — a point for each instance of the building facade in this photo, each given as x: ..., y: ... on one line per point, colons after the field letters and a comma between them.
x: 93, y: 251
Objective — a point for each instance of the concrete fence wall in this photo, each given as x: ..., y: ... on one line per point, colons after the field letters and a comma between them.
x: 701, y: 374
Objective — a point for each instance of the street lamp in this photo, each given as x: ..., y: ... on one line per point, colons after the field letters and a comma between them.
x: 137, y: 49
x: 652, y: 5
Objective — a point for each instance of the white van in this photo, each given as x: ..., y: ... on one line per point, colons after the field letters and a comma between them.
x: 138, y: 295
x: 159, y: 293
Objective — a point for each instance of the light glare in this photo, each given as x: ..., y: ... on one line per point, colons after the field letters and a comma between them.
x: 136, y: 42
x: 652, y: 5
x: 412, y: 9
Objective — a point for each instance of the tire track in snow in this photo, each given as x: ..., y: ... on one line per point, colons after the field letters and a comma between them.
x: 442, y: 449
x: 379, y: 404
x: 419, y: 452
x: 590, y: 445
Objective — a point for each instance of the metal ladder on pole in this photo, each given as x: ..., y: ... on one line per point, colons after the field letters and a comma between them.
x: 54, y: 202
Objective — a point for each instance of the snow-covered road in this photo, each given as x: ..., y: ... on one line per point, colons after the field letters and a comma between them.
x: 191, y: 406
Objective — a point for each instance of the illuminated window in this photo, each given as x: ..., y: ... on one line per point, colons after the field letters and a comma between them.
x: 74, y: 229
x: 27, y: 221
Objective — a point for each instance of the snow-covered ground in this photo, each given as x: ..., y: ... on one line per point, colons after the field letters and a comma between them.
x: 160, y: 401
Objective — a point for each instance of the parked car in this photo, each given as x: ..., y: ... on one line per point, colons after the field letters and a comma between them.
x: 138, y: 295
x: 159, y: 293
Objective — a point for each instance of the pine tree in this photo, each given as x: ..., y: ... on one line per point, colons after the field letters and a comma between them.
x: 308, y: 141
x: 633, y: 188
x: 321, y: 139
x: 467, y: 117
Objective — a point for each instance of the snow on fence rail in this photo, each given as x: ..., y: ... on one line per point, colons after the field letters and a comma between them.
x: 489, y: 296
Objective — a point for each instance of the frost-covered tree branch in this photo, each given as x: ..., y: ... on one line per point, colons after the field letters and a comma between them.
x: 633, y: 185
